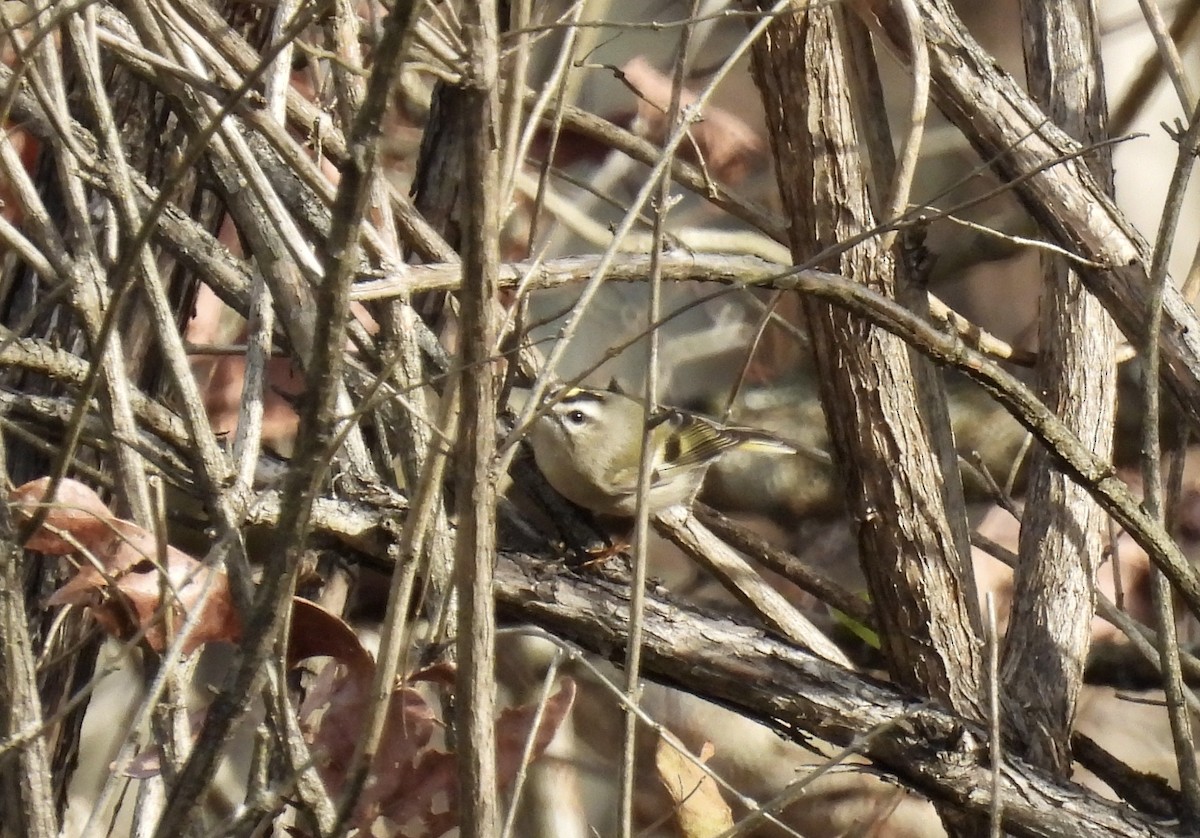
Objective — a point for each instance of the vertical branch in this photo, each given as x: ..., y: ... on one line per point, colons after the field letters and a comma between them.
x: 912, y: 271
x: 648, y: 457
x: 892, y: 478
x: 25, y: 789
x: 1168, y: 644
x: 1062, y: 528
x: 475, y: 550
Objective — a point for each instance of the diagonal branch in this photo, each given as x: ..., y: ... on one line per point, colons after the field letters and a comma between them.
x: 1001, y: 121
x: 799, y: 693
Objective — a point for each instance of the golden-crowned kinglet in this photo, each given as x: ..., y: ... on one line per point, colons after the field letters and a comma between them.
x: 588, y: 445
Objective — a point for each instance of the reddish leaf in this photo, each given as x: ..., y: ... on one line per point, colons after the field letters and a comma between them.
x: 413, y: 785
x: 428, y: 795
x: 513, y: 726
x: 75, y: 510
x: 316, y: 632
x: 118, y: 577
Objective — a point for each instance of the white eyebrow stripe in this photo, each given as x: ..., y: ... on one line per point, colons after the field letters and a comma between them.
x: 587, y: 404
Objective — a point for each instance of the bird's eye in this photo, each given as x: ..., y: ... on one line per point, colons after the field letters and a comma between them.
x: 576, y: 417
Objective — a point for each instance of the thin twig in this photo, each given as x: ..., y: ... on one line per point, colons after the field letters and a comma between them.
x: 518, y: 783
x: 910, y: 151
x: 649, y: 455
x: 995, y: 744
x: 1168, y: 53
x: 1151, y: 448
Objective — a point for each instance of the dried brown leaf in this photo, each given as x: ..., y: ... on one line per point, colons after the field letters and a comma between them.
x: 119, y: 578
x: 700, y: 811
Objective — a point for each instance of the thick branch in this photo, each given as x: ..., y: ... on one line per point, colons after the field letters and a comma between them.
x: 799, y: 693
x: 1062, y: 535
x: 892, y: 476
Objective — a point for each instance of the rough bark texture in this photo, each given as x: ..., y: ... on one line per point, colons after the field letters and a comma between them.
x: 1005, y: 125
x: 1061, y: 534
x: 892, y: 476
x: 801, y: 694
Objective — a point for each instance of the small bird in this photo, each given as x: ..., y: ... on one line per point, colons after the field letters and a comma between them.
x: 588, y: 445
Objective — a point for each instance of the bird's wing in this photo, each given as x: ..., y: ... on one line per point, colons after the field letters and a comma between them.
x: 692, y: 441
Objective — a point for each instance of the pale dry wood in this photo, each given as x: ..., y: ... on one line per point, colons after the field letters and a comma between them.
x: 95, y: 302
x: 24, y: 775
x: 740, y: 579
x: 476, y: 492
x: 321, y: 348
x: 1062, y: 530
